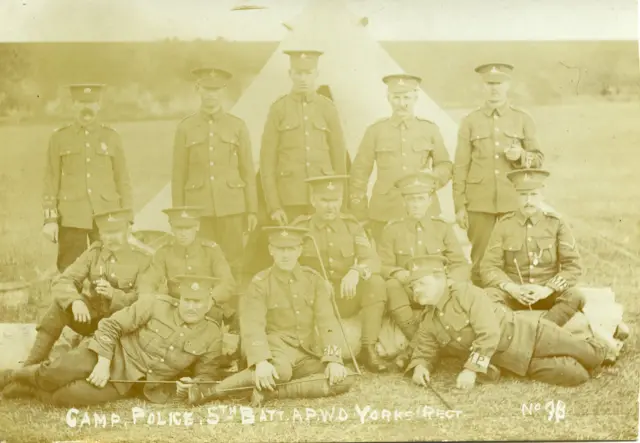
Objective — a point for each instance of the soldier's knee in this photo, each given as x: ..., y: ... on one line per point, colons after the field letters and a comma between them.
x: 574, y: 297
x: 496, y: 295
x: 284, y: 370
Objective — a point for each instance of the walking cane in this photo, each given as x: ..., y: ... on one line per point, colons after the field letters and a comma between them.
x: 515, y: 261
x: 333, y: 303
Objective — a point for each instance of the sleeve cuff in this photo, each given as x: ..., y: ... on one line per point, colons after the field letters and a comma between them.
x: 331, y: 354
x: 258, y: 354
x: 96, y: 346
x: 477, y: 363
x: 50, y: 215
x: 558, y: 283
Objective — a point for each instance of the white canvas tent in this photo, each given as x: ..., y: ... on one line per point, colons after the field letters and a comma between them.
x: 353, y: 66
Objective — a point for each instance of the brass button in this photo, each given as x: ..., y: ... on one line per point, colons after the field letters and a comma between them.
x: 182, y: 334
x: 211, y: 134
x: 171, y: 348
x: 150, y: 371
x: 459, y: 339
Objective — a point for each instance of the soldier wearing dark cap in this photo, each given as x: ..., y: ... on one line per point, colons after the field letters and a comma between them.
x: 288, y: 331
x: 213, y: 169
x: 186, y: 254
x: 112, y: 266
x: 532, y: 261
x: 493, y: 140
x: 153, y: 340
x: 416, y: 234
x: 399, y: 145
x: 351, y: 261
x: 461, y: 319
x: 302, y: 138
x: 85, y: 173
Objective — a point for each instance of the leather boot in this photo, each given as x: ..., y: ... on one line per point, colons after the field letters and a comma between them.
x: 6, y: 377
x: 41, y: 348
x: 18, y: 390
x: 26, y: 375
x: 237, y: 386
x: 372, y: 361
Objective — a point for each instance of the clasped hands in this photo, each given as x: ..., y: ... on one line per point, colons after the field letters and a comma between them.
x: 528, y: 294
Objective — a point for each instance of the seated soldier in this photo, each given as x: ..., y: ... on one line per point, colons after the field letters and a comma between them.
x: 532, y: 261
x: 416, y: 234
x: 349, y: 259
x: 188, y: 254
x: 284, y: 310
x: 462, y: 319
x: 111, y: 265
x: 153, y: 340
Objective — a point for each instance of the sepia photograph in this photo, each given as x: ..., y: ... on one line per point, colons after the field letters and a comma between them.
x: 319, y: 220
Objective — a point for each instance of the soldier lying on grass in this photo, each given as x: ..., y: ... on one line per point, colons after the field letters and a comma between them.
x: 460, y: 318
x: 153, y: 340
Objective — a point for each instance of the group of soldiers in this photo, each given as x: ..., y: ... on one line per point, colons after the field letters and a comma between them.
x: 160, y: 322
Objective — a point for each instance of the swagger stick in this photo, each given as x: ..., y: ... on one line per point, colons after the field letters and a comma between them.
x: 333, y: 303
x: 515, y: 262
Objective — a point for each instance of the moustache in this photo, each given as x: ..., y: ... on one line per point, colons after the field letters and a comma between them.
x: 86, y: 112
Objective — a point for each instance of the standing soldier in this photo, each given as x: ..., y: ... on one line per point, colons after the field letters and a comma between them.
x: 302, y: 138
x: 349, y: 258
x: 112, y: 266
x: 186, y: 254
x: 289, y: 330
x: 153, y: 340
x: 85, y: 174
x: 492, y: 141
x: 416, y: 234
x: 460, y: 318
x: 213, y: 169
x: 398, y: 145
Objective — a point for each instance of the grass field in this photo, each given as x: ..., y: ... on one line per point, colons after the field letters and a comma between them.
x: 591, y: 151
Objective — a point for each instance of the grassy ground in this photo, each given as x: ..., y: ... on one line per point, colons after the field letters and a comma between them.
x: 591, y: 151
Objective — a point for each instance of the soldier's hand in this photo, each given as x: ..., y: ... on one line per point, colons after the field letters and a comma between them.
x: 349, y: 283
x: 466, y: 380
x: 462, y: 218
x: 50, y: 231
x: 513, y: 153
x: 80, y: 312
x: 101, y: 373
x: 402, y: 276
x: 252, y: 222
x: 104, y: 288
x: 421, y: 375
x: 266, y: 376
x: 335, y: 372
x: 182, y: 387
x: 279, y: 216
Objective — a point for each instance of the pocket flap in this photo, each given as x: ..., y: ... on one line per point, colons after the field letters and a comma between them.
x: 321, y: 125
x: 110, y: 196
x: 422, y: 144
x: 385, y: 147
x: 443, y: 338
x: 236, y: 183
x: 160, y: 328
x: 195, y: 347
x: 514, y: 134
x: 474, y: 178
x: 69, y: 151
x: 546, y: 242
x: 194, y: 184
x: 480, y: 136
x: 287, y: 125
x: 229, y: 138
x: 347, y: 249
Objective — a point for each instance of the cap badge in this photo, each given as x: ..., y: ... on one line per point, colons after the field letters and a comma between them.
x: 417, y: 182
x: 527, y: 177
x: 303, y: 55
x: 331, y: 186
x: 195, y: 286
x: 87, y: 90
x: 494, y: 70
x: 284, y: 233
x: 401, y: 82
x: 111, y: 218
x: 184, y: 214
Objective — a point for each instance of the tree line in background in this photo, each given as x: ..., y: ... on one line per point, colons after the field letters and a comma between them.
x: 152, y: 80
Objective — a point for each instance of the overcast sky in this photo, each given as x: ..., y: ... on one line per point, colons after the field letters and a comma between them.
x: 140, y: 20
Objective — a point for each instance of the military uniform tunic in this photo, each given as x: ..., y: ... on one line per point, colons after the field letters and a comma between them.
x: 121, y: 269
x: 480, y: 182
x: 213, y: 166
x: 405, y: 238
x: 546, y: 255
x: 343, y: 246
x: 398, y: 147
x: 201, y: 257
x: 302, y: 138
x: 85, y: 173
x: 468, y: 324
x: 280, y: 313
x: 149, y: 340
